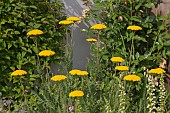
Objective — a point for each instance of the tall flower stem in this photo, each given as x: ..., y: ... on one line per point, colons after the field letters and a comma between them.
x: 77, y: 106
x: 132, y: 50
x: 162, y: 95
x: 72, y: 35
x: 124, y: 47
x: 151, y: 104
x: 38, y: 59
x: 67, y: 55
x: 97, y: 52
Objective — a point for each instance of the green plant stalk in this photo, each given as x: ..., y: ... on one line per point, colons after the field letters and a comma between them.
x: 154, y: 43
x: 37, y: 51
x: 132, y: 50
x: 123, y: 43
x: 72, y: 36
x: 77, y: 106
x: 97, y: 52
x: 110, y: 4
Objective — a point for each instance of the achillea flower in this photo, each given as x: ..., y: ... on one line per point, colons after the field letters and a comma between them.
x: 66, y: 22
x: 134, y: 28
x: 98, y: 26
x: 76, y: 93
x: 132, y: 78
x: 46, y: 53
x: 58, y: 77
x: 91, y: 40
x: 34, y: 32
x: 157, y: 71
x: 117, y: 59
x: 73, y: 18
x: 82, y: 73
x: 74, y: 71
x: 18, y: 73
x: 122, y: 68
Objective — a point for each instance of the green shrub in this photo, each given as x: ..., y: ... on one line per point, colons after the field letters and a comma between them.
x: 18, y: 51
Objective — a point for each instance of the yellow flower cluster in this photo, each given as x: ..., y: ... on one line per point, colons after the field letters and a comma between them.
x: 98, y: 26
x: 132, y: 78
x: 117, y: 59
x: 134, y: 28
x: 76, y: 93
x: 34, y: 32
x: 58, y: 77
x: 122, y: 68
x: 73, y: 18
x: 66, y: 22
x: 91, y: 40
x: 78, y: 72
x: 157, y: 71
x: 18, y: 73
x: 46, y: 53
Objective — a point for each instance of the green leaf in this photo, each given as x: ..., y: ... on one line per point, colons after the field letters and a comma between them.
x: 21, y: 24
x: 140, y: 39
x: 16, y: 32
x: 149, y: 5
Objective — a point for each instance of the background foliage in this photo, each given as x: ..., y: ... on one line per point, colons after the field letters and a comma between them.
x: 18, y: 51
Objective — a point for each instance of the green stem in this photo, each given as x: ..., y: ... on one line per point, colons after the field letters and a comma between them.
x: 37, y: 51
x: 154, y: 43
x: 124, y: 47
x: 97, y: 52
x: 131, y: 50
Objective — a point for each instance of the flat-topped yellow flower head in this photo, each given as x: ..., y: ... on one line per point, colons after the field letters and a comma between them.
x: 34, y: 33
x: 46, y: 53
x: 73, y: 18
x: 66, y: 22
x: 74, y: 71
x: 91, y: 40
x: 122, y: 68
x: 18, y: 73
x: 58, y: 77
x: 117, y: 59
x: 157, y: 71
x: 82, y: 73
x: 76, y: 93
x: 132, y: 78
x: 134, y: 28
x: 78, y: 72
x: 98, y: 26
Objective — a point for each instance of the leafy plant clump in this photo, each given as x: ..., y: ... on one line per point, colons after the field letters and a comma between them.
x: 18, y: 51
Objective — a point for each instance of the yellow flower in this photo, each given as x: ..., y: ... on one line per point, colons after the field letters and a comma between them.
x: 117, y: 59
x: 122, y: 68
x: 46, y: 53
x: 157, y: 71
x: 82, y: 73
x: 73, y: 18
x: 91, y: 40
x: 98, y: 26
x: 66, y: 22
x: 74, y: 71
x: 76, y: 93
x: 132, y: 78
x: 58, y: 77
x: 34, y: 32
x: 134, y: 28
x: 18, y: 73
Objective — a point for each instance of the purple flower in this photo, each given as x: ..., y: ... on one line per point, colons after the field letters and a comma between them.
x: 71, y: 108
